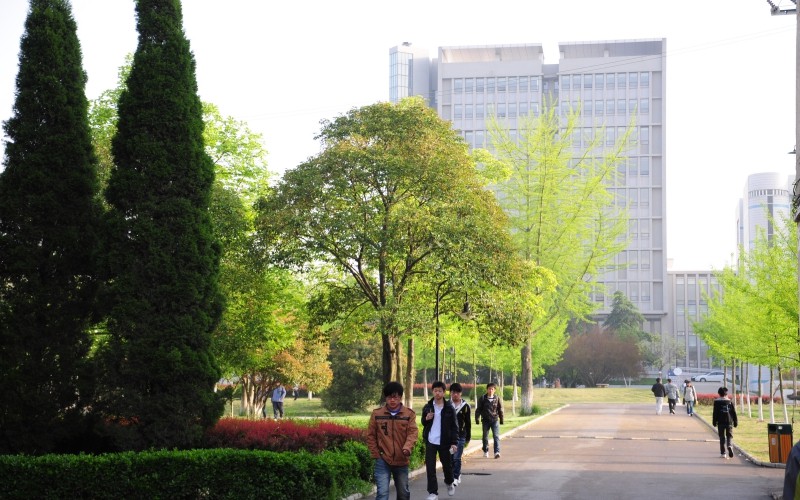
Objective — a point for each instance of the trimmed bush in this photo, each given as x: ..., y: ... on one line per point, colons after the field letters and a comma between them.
x: 281, y: 435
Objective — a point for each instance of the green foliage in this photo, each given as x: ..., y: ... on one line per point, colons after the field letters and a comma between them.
x: 356, y: 376
x: 217, y: 473
x: 382, y: 204
x: 597, y: 356
x: 755, y: 316
x: 49, y: 229
x: 159, y: 372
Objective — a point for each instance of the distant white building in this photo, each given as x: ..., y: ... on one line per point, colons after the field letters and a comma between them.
x: 767, y: 199
x: 612, y: 81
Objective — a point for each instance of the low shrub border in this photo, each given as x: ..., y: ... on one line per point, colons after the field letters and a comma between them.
x: 216, y: 473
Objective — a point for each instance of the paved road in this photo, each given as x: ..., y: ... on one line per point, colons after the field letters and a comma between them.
x: 606, y: 451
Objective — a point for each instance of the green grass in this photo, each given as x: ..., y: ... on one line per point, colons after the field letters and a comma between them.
x: 751, y: 435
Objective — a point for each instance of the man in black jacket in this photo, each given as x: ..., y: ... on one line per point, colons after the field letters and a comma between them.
x: 659, y: 391
x: 490, y: 408
x: 724, y: 419
x: 440, y: 433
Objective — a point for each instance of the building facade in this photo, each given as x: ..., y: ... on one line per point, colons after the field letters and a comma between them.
x: 613, y: 82
x: 689, y: 297
x: 766, y: 200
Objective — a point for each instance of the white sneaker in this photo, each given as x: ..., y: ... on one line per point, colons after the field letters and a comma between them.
x: 497, y: 455
x: 433, y: 496
x: 457, y: 481
x: 485, y: 454
x: 451, y: 489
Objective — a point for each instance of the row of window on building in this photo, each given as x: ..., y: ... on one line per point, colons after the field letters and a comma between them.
x: 581, y: 137
x: 607, y: 107
x: 636, y: 291
x: 599, y: 81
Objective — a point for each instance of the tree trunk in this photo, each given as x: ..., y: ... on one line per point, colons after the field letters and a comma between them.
x: 425, y: 385
x: 409, y: 392
x: 526, y: 405
x: 389, y: 360
x: 397, y: 359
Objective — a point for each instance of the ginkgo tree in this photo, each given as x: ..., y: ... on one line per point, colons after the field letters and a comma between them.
x: 563, y: 212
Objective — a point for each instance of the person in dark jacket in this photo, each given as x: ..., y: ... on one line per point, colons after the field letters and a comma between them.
x: 724, y: 419
x: 464, y: 419
x: 791, y: 477
x: 659, y: 391
x: 490, y: 408
x: 440, y: 433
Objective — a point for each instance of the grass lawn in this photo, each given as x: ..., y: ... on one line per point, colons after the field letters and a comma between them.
x: 751, y: 435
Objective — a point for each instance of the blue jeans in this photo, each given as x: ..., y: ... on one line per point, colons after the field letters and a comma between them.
x: 495, y: 426
x: 384, y: 472
x: 689, y: 407
x: 457, y: 458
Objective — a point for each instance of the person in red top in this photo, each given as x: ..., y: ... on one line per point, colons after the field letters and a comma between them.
x: 391, y: 434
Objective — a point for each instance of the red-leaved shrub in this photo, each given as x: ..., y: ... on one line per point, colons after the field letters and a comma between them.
x: 280, y: 435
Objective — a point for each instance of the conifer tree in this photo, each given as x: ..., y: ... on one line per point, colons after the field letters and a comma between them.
x: 163, y: 257
x: 48, y: 232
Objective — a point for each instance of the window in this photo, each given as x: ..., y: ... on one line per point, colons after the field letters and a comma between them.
x: 610, y: 106
x: 645, y: 258
x: 644, y: 166
x: 644, y: 198
x: 576, y: 82
x: 512, y: 83
x: 644, y: 229
x: 501, y: 110
x: 480, y: 85
x: 479, y: 111
x: 587, y: 81
x: 468, y: 111
x: 644, y: 106
x: 565, y: 79
x: 598, y: 81
x: 535, y: 108
x: 610, y: 81
x: 633, y: 194
x: 490, y: 82
x: 501, y: 84
x: 469, y: 136
x: 621, y: 80
x: 479, y: 138
x: 469, y: 85
x: 587, y: 108
x: 458, y: 112
x: 512, y: 110
x: 523, y: 109
x: 535, y: 83
x: 632, y: 105
x: 632, y: 167
x: 609, y: 136
x: 523, y: 83
x: 644, y: 80
x: 645, y: 289
x: 644, y: 136
x: 458, y: 85
x: 633, y: 80
x: 564, y: 108
x: 598, y: 108
x: 620, y: 106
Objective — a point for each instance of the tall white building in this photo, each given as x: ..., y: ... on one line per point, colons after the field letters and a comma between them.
x: 612, y: 81
x: 766, y: 200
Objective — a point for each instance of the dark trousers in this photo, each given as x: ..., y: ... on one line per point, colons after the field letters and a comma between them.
x: 431, y: 450
x: 725, y: 437
x: 672, y: 403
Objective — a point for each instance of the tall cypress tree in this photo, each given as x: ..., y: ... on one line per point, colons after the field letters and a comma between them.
x: 48, y: 231
x: 163, y: 256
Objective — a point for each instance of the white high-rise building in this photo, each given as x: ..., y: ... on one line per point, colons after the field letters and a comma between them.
x: 612, y: 81
x: 766, y: 200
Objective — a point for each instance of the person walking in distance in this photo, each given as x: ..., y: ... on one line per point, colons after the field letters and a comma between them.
x: 659, y: 391
x: 490, y: 409
x: 440, y: 433
x: 724, y: 419
x: 689, y: 398
x: 672, y: 395
x: 278, y: 394
x: 464, y: 419
x: 391, y: 434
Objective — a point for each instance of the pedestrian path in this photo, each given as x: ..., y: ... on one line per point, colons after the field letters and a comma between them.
x: 607, y: 451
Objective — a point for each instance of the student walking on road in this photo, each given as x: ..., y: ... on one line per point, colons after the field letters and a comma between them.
x: 724, y: 419
x: 464, y: 419
x: 440, y: 433
x: 672, y: 395
x: 689, y: 397
x: 391, y: 435
x: 490, y: 409
x: 659, y: 392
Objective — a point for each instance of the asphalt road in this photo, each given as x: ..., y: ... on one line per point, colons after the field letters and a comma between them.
x: 607, y: 451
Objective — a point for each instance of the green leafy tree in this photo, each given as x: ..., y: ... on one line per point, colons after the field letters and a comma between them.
x: 49, y: 225
x: 387, y: 194
x: 563, y: 213
x: 356, y: 369
x: 597, y: 356
x: 625, y: 319
x: 159, y: 371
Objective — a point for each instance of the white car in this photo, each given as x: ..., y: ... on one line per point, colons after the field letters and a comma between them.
x: 714, y: 376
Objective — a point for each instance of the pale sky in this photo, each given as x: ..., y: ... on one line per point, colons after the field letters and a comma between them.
x: 283, y: 66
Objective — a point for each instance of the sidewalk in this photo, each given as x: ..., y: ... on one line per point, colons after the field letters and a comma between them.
x: 589, y: 451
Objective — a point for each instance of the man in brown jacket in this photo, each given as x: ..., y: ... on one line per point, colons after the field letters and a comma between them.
x: 391, y: 436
